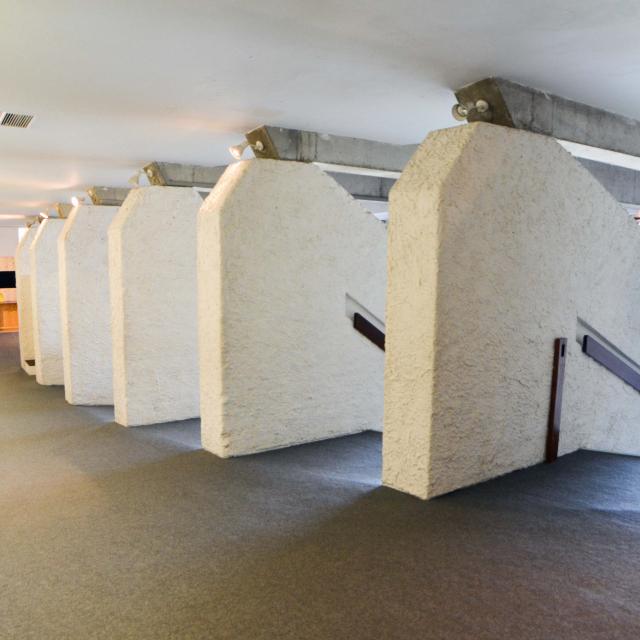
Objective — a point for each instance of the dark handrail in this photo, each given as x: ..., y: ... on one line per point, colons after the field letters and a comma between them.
x: 368, y: 330
x: 609, y: 360
x: 555, y: 407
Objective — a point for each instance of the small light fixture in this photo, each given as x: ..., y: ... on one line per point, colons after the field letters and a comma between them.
x: 76, y: 202
x: 136, y: 179
x: 462, y: 111
x: 237, y: 150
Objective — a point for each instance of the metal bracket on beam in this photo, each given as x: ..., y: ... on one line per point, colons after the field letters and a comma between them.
x: 107, y: 196
x: 63, y: 209
x: 332, y: 153
x: 514, y: 105
x: 171, y: 174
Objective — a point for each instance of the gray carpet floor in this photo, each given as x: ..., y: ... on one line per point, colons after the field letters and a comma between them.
x: 112, y: 533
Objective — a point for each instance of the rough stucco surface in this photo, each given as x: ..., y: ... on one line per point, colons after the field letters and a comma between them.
x: 498, y: 241
x: 84, y: 305
x: 280, y: 246
x: 23, y: 286
x: 45, y: 300
x: 152, y: 264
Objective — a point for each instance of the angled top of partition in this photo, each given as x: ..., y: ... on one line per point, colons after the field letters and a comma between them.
x: 335, y: 153
x: 172, y: 174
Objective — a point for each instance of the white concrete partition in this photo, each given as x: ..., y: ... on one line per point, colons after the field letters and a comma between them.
x: 84, y: 305
x: 500, y: 242
x: 23, y: 293
x: 152, y: 264
x: 285, y: 255
x: 45, y: 300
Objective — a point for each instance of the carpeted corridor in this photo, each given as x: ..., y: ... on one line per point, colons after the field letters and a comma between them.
x: 107, y: 532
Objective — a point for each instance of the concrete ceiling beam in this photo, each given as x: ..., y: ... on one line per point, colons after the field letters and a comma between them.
x: 514, y: 105
x: 510, y: 104
x: 622, y: 183
x: 364, y: 187
x: 107, y: 196
x: 172, y: 174
x: 332, y: 153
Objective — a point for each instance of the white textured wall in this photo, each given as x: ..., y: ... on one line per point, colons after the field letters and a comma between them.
x: 23, y: 286
x: 45, y: 297
x: 498, y: 241
x: 152, y: 263
x: 84, y: 305
x: 280, y: 245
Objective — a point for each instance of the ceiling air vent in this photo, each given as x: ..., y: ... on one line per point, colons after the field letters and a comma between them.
x: 15, y: 120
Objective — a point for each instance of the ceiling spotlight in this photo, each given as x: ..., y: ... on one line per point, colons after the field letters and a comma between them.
x: 459, y: 112
x: 238, y: 149
x: 482, y: 106
x: 43, y: 215
x: 76, y: 201
x: 462, y: 111
x: 136, y: 179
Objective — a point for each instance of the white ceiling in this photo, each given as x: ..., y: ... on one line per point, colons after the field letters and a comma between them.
x: 115, y: 84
